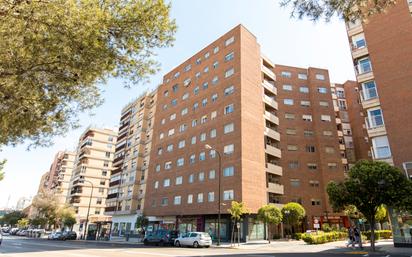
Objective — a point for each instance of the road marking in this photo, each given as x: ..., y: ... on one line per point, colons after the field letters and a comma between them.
x: 153, y: 254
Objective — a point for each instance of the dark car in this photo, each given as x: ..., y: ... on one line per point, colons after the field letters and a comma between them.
x: 161, y: 237
x: 69, y: 235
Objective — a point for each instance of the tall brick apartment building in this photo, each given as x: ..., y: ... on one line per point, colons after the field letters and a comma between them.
x: 382, y: 56
x: 275, y: 127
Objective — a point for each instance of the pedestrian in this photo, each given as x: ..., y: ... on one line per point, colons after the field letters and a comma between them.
x: 356, y: 234
x: 350, y: 237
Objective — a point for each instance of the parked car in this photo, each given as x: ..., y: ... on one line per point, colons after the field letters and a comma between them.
x: 161, y: 237
x: 56, y: 236
x: 14, y: 231
x: 195, y: 239
x: 1, y: 238
x: 69, y: 235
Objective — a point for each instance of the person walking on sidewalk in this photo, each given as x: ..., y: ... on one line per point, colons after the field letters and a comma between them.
x: 351, y: 237
x: 357, y: 236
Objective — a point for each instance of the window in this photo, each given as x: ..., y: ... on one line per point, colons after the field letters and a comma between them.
x: 381, y: 147
x: 191, y: 178
x: 182, y: 128
x: 364, y: 66
x: 203, y: 119
x: 166, y: 93
x: 229, y: 128
x: 325, y: 118
x: 369, y: 90
x: 314, y: 183
x: 179, y: 180
x: 156, y: 184
x: 190, y: 199
x: 315, y: 201
x: 175, y: 88
x: 165, y: 107
x: 212, y: 153
x: 292, y: 147
x: 207, y: 54
x: 213, y: 115
x: 194, y: 123
x: 228, y: 195
x: 308, y: 133
x: 327, y: 133
x: 302, y: 76
x: 229, y: 90
x: 202, y: 176
x: 157, y: 167
x: 375, y: 118
x: 289, y: 116
x: 215, y: 50
x: 358, y: 41
x: 185, y: 96
x: 198, y: 74
x: 286, y: 74
x: 229, y: 56
x: 310, y: 148
x: 181, y: 144
x: 202, y: 156
x: 163, y: 121
x: 213, y: 133
x: 304, y: 90
x: 320, y: 77
x: 180, y: 162
x: 187, y: 68
x: 228, y: 149
x: 228, y: 109
x: 168, y: 165
x: 290, y: 131
x: 329, y: 149
x: 332, y: 165
x: 229, y: 72
x: 169, y: 148
x: 165, y: 201
x: 307, y: 117
x: 293, y: 164
x: 166, y: 182
x: 202, y: 137
x: 228, y: 171
x: 229, y: 41
x: 295, y: 183
x: 214, y: 97
x: 204, y: 102
x: 193, y: 140
x: 187, y: 82
x: 198, y: 61
x: 322, y: 90
x: 107, y: 154
x: 215, y: 80
x: 200, y: 197
x: 177, y: 200
x: 206, y: 70
x: 196, y: 90
x: 215, y: 64
x: 304, y: 103
x: 205, y: 85
x: 212, y: 174
x: 211, y: 196
x: 287, y: 87
x: 173, y: 116
x: 312, y: 166
x: 324, y: 103
x: 288, y: 101
x: 192, y: 158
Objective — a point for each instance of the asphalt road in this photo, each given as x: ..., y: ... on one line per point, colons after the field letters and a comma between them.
x: 26, y: 247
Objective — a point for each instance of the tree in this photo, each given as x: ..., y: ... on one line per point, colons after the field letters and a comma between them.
x: 293, y: 214
x: 12, y: 218
x: 369, y: 185
x: 142, y: 222
x: 46, y: 205
x: 53, y: 55
x: 236, y: 211
x: 349, y: 10
x: 23, y: 223
x: 2, y: 163
x: 39, y: 221
x: 269, y: 214
x: 66, y: 216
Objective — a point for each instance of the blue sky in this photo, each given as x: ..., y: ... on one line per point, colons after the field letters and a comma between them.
x: 284, y: 40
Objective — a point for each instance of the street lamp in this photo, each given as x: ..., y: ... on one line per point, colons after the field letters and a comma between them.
x: 287, y: 221
x: 218, y: 198
x: 88, y: 208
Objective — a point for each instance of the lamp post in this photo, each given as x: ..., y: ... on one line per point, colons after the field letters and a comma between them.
x: 218, y: 198
x: 88, y: 208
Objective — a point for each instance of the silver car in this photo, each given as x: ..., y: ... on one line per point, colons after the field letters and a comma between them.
x: 195, y: 239
x: 1, y: 238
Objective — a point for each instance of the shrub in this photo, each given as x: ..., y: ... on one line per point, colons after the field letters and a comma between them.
x: 297, y: 236
x: 323, y: 237
x: 379, y: 234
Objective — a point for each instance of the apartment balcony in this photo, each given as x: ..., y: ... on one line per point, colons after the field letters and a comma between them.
x: 269, y: 86
x: 275, y: 188
x: 111, y: 196
x: 376, y: 131
x: 272, y: 150
x: 271, y: 117
x: 354, y: 29
x: 342, y: 147
x: 268, y: 72
x: 125, y: 125
x: 363, y: 73
x: 344, y: 161
x: 270, y: 101
x: 336, y: 108
x: 338, y: 121
x: 272, y: 133
x: 340, y: 133
x: 359, y: 51
x: 114, y: 183
x: 370, y: 102
x: 274, y: 169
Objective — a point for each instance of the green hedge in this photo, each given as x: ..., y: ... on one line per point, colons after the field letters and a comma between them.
x: 379, y: 234
x: 297, y: 236
x: 324, y: 237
